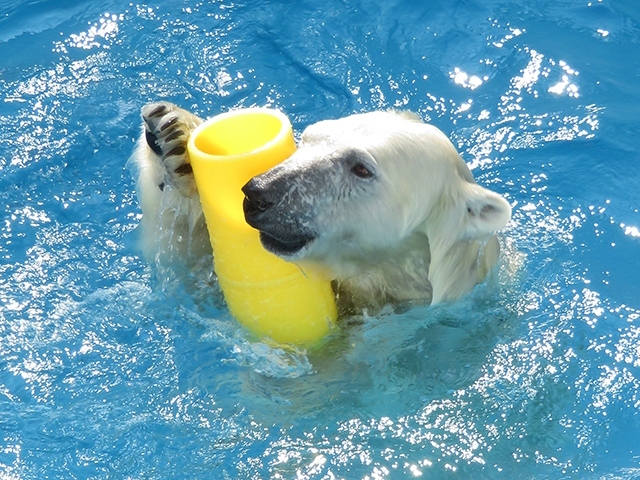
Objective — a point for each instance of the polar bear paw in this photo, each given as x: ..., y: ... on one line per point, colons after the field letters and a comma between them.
x: 167, y: 129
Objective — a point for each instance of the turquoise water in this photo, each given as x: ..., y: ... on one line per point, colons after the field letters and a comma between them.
x: 112, y: 368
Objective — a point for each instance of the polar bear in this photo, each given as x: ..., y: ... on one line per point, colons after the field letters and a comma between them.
x: 381, y: 201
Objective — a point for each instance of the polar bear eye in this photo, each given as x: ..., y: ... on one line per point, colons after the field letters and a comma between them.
x: 361, y: 171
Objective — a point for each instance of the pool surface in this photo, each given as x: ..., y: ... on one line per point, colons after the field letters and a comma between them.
x: 114, y: 368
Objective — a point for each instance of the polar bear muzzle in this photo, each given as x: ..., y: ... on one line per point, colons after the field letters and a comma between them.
x: 280, y: 234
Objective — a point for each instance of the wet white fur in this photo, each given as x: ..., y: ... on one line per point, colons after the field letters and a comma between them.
x: 172, y: 229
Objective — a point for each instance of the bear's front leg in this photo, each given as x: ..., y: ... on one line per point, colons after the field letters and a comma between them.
x: 172, y: 228
x: 167, y: 128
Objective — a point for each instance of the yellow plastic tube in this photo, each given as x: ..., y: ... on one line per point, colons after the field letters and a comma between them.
x: 269, y: 296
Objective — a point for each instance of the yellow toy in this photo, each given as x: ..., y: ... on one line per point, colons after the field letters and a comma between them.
x: 270, y: 297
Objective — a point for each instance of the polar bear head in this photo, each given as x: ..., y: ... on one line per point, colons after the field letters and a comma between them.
x: 358, y: 187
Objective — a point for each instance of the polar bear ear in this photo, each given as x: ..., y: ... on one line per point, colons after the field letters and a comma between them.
x: 407, y: 115
x: 486, y: 211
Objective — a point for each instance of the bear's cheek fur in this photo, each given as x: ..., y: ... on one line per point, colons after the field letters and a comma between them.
x: 355, y: 226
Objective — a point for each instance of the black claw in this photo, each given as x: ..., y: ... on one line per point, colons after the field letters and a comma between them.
x: 173, y: 135
x: 179, y: 150
x: 158, y: 111
x: 152, y: 141
x: 184, y: 169
x: 168, y: 123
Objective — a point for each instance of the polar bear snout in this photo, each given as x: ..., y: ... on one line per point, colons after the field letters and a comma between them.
x: 255, y: 201
x: 281, y: 231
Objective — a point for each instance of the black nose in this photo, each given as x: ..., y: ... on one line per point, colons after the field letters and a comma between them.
x: 255, y: 201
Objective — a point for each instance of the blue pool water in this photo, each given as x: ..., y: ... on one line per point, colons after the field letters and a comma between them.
x: 112, y: 368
